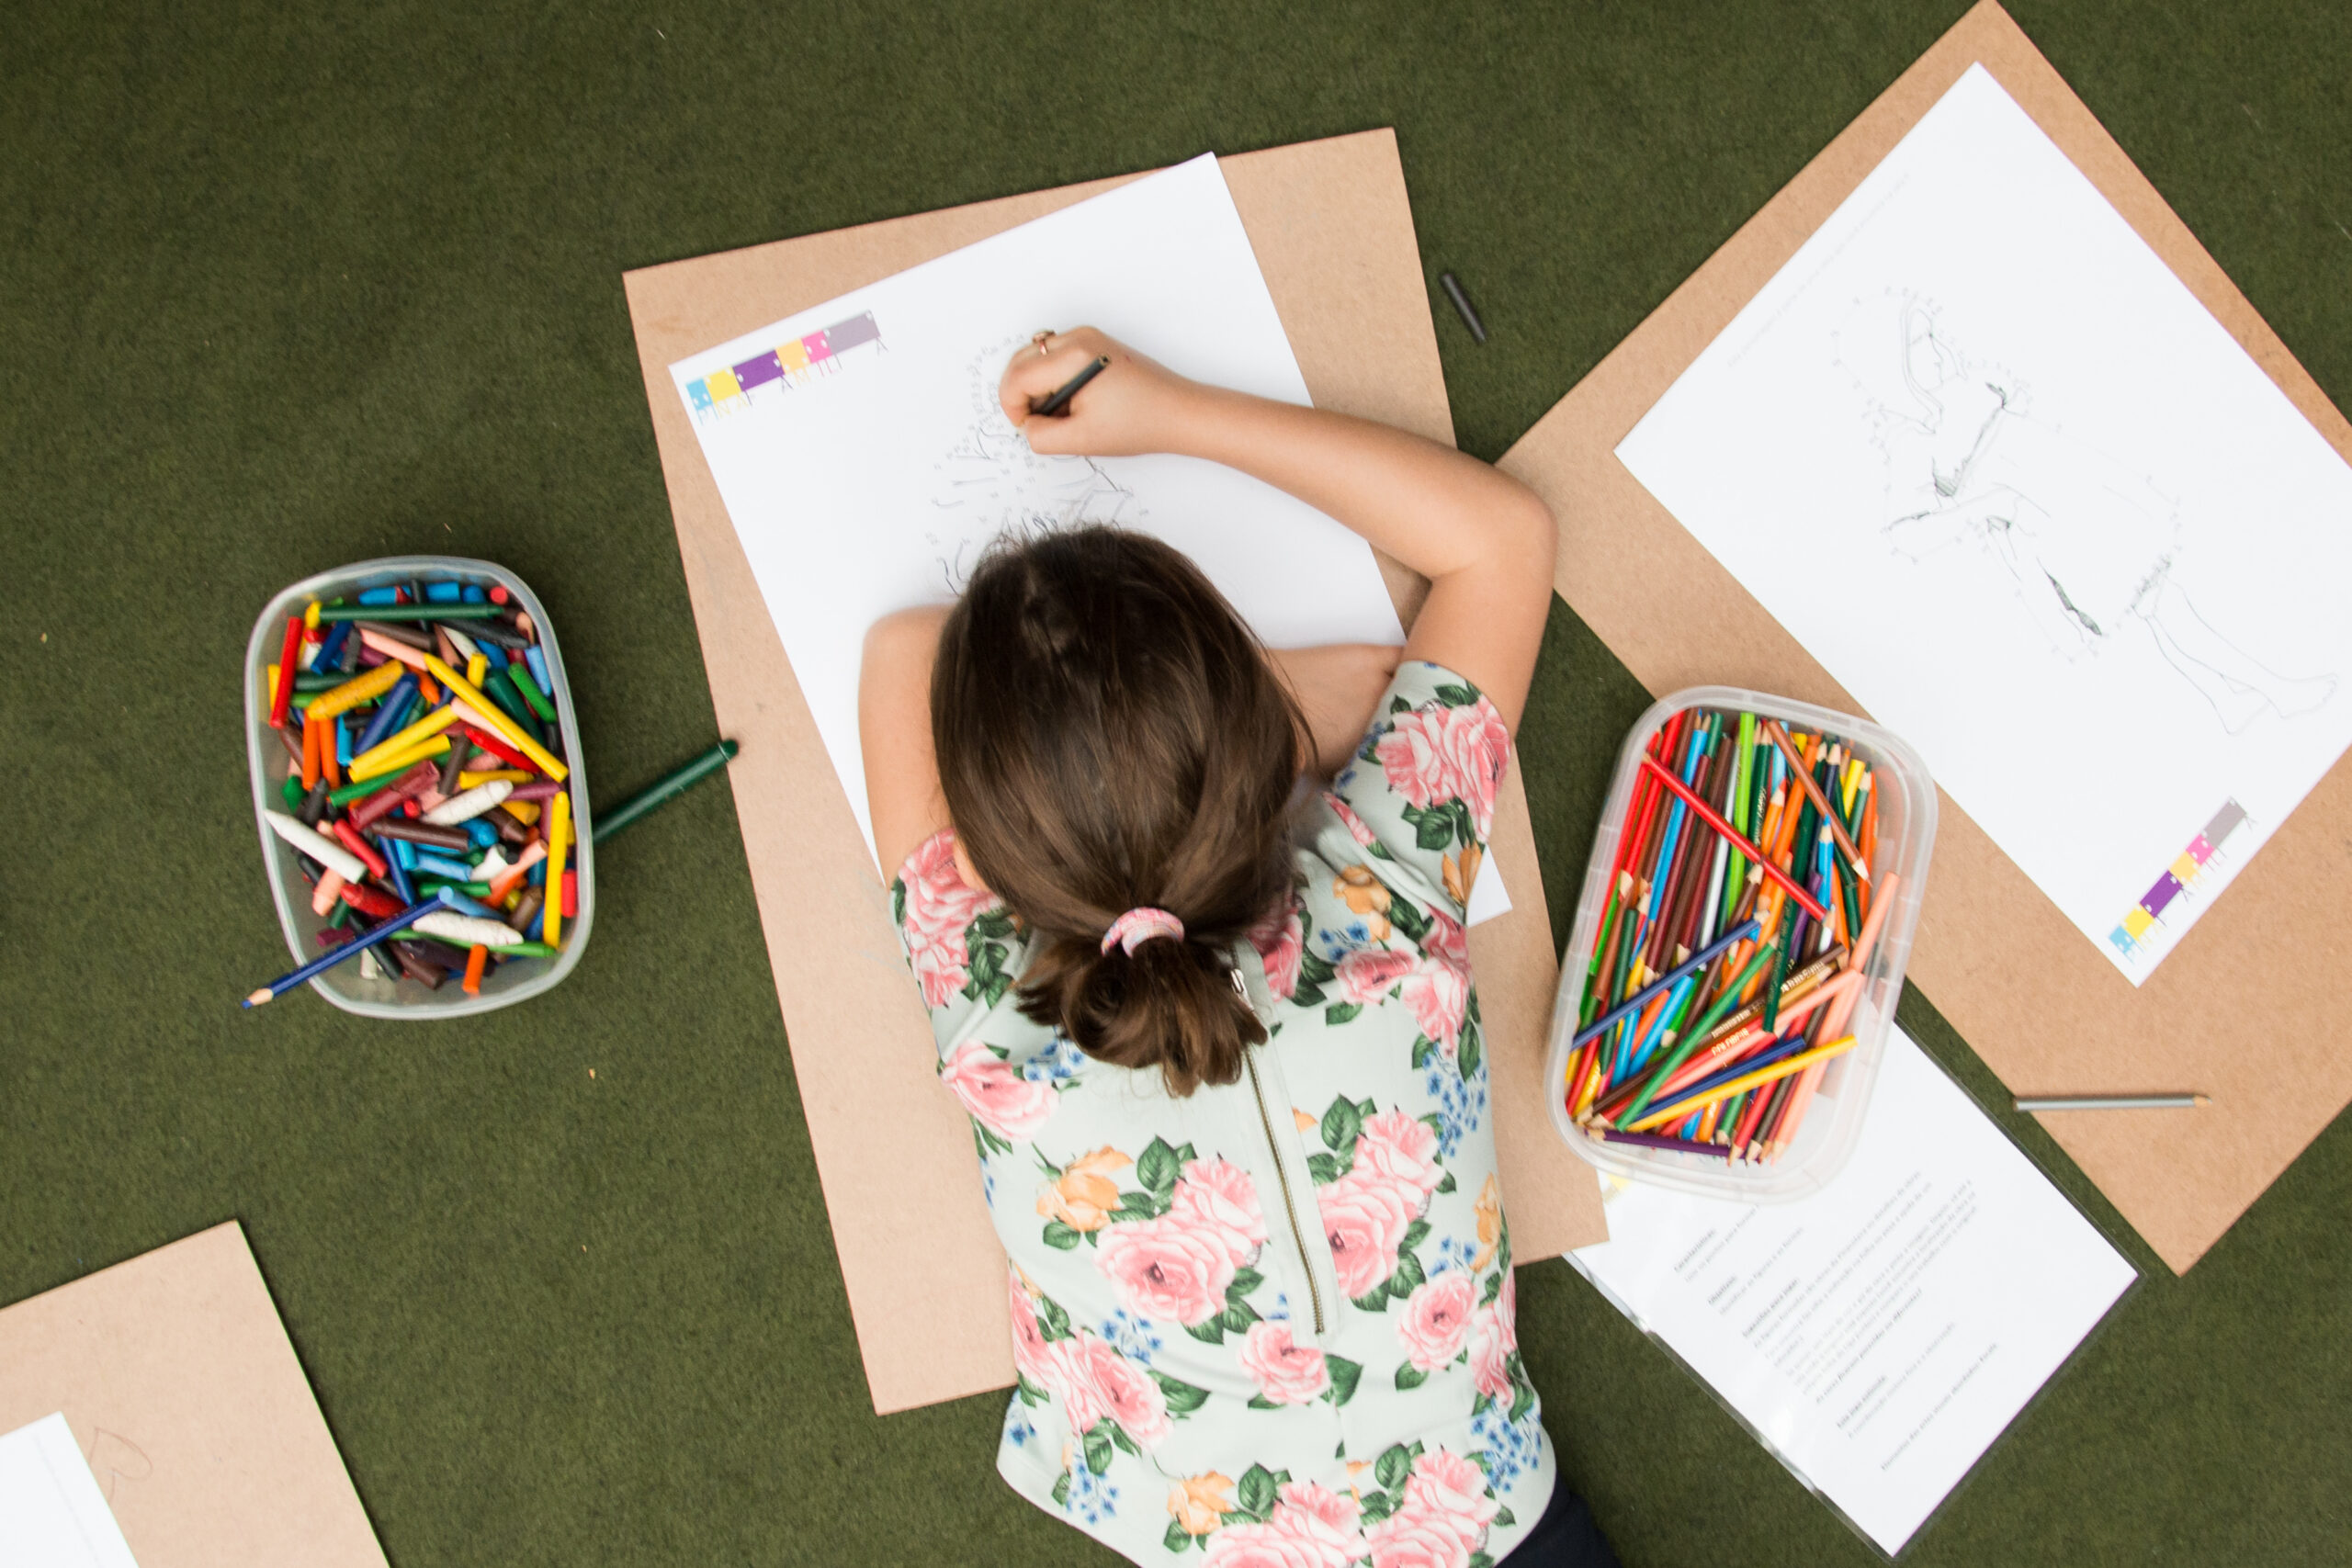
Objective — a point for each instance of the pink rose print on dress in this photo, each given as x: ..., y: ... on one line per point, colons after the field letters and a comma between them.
x: 1174, y: 1268
x: 998, y: 1097
x: 1494, y: 1334
x: 1349, y: 820
x: 1032, y: 1356
x: 1438, y: 990
x: 939, y: 908
x: 1119, y: 1389
x: 1436, y: 755
x: 1403, y: 1150
x: 1285, y: 1373
x: 1219, y: 1197
x: 1407, y: 1540
x: 1368, y: 974
x: 1281, y: 942
x: 1365, y: 1216
x: 1067, y: 1380
x: 1436, y: 1320
x: 1311, y: 1526
x: 1489, y: 1355
x: 1452, y: 1491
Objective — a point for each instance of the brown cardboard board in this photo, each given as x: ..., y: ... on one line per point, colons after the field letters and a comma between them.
x: 185, y: 1398
x: 1333, y: 233
x: 2223, y: 1015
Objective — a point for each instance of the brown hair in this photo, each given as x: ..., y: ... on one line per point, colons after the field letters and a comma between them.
x: 1110, y: 736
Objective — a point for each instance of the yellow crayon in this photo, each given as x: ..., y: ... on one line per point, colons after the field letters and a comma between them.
x: 463, y: 690
x: 468, y: 778
x: 559, y: 836
x: 477, y: 667
x: 357, y: 690
x: 398, y: 761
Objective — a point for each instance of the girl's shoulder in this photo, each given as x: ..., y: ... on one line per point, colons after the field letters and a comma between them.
x: 965, y: 948
x: 1413, y: 808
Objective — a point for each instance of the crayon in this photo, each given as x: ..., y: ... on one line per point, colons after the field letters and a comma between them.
x: 558, y: 830
x: 1462, y: 306
x: 663, y: 790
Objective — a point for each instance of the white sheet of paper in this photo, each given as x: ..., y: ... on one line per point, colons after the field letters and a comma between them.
x: 52, y: 1513
x: 866, y: 462
x: 1881, y: 1334
x: 1988, y: 459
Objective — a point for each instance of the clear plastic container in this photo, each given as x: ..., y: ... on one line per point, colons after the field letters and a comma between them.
x: 1906, y: 835
x: 265, y: 760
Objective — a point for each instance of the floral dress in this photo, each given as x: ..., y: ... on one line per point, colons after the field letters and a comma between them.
x: 1268, y: 1325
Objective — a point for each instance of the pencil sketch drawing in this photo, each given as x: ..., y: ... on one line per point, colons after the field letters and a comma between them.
x: 2097, y: 553
x: 990, y: 483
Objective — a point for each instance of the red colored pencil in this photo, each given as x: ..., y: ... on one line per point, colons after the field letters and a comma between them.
x: 1706, y: 813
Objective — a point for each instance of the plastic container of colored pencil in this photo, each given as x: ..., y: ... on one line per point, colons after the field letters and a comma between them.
x: 1739, y: 949
x: 416, y: 611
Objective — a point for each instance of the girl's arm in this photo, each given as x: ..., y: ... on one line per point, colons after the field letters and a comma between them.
x: 894, y: 733
x: 1484, y: 541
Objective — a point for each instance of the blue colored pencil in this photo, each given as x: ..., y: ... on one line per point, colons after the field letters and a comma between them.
x: 1690, y: 965
x: 335, y: 955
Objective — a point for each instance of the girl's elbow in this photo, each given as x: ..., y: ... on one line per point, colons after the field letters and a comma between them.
x: 1534, y: 536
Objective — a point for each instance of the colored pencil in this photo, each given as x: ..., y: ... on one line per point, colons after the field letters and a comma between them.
x: 1779, y: 1069
x: 1061, y: 395
x: 1780, y: 737
x: 1696, y: 961
x: 1706, y: 813
x: 1652, y: 1141
x: 335, y: 955
x: 2112, y: 1101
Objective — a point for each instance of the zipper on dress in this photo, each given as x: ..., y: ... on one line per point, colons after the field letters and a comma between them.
x: 1281, y: 1176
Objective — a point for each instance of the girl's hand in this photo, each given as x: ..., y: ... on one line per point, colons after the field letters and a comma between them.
x: 1134, y: 406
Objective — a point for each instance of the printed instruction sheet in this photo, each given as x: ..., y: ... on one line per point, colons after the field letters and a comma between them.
x: 1987, y: 459
x: 1880, y: 1334
x: 52, y: 1513
x: 866, y: 462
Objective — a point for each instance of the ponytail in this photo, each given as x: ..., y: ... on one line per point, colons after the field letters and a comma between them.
x: 1170, y: 1004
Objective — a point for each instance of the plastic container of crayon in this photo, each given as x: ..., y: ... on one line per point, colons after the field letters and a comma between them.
x: 395, y: 996
x: 1906, y: 841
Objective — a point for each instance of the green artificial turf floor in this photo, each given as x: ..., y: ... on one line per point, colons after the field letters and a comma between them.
x: 286, y: 285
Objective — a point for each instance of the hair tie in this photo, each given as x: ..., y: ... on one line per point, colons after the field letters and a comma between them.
x: 1138, y: 926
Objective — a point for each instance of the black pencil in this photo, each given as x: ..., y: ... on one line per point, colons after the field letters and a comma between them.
x: 1070, y: 389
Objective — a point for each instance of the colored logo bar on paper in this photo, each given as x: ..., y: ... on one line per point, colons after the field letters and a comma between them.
x: 786, y: 365
x: 2178, y: 878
